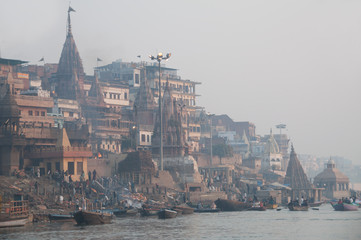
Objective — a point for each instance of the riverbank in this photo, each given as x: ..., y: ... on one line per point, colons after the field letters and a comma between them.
x: 271, y: 225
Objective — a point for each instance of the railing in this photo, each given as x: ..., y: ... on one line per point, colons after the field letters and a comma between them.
x: 60, y: 149
x: 19, y: 208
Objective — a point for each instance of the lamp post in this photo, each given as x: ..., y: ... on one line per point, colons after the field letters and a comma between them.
x: 159, y: 58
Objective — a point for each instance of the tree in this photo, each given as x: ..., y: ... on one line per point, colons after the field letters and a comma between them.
x: 222, y: 150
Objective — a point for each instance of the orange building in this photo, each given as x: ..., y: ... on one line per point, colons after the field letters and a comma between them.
x: 62, y: 157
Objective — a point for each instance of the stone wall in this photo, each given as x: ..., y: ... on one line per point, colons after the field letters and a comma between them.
x: 203, y: 160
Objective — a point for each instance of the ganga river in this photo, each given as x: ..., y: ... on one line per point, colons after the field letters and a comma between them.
x: 324, y: 223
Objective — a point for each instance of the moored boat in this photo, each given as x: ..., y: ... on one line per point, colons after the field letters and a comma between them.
x: 257, y: 208
x: 92, y: 218
x: 183, y: 210
x: 207, y: 210
x: 344, y: 206
x: 271, y: 206
x: 61, y: 218
x: 149, y: 212
x: 167, y: 213
x: 315, y: 204
x: 16, y: 214
x: 297, y: 208
x: 231, y: 205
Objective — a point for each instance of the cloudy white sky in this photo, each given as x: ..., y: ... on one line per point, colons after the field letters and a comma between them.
x: 267, y: 62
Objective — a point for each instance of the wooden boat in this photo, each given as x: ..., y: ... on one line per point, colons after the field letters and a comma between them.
x: 184, y: 210
x: 167, y: 213
x: 206, y: 210
x: 92, y: 218
x: 257, y: 208
x: 344, y: 206
x: 315, y: 204
x: 125, y: 212
x: 120, y: 212
x: 149, y: 212
x: 230, y: 205
x: 272, y: 206
x: 16, y: 214
x: 61, y: 218
x: 292, y: 207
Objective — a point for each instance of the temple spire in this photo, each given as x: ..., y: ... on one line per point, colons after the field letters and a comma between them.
x: 69, y: 21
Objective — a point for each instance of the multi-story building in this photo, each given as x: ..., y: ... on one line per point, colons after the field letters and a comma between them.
x: 183, y: 91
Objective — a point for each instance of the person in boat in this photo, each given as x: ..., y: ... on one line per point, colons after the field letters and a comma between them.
x: 340, y: 201
x: 305, y: 203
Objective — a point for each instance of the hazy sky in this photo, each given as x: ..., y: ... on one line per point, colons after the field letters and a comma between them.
x: 267, y: 62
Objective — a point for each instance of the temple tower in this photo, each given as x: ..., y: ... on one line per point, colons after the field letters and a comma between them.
x: 70, y: 75
x: 297, y: 179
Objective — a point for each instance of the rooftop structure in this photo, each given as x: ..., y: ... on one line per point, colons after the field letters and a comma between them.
x: 336, y: 183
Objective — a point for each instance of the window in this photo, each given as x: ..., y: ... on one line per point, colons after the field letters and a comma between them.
x: 57, y: 166
x: 143, y: 137
x: 79, y: 168
x: 105, y: 95
x: 30, y: 113
x: 19, y: 112
x: 71, y: 168
x: 137, y: 78
x: 43, y: 114
x: 147, y: 138
x: 36, y: 113
x: 125, y: 96
x: 71, y: 114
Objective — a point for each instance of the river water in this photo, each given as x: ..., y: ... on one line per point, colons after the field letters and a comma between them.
x: 324, y: 223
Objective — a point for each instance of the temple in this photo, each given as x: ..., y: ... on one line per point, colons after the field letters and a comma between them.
x: 70, y: 74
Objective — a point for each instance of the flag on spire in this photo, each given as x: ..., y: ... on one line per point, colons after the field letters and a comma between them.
x: 99, y: 60
x: 71, y: 9
x: 42, y: 59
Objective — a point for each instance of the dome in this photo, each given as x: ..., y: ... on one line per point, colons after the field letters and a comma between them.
x: 331, y: 174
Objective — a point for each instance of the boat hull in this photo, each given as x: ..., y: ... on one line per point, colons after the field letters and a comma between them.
x: 297, y: 208
x: 166, y: 213
x: 230, y: 205
x: 315, y: 204
x: 257, y: 209
x: 344, y: 207
x: 206, y: 210
x: 149, y: 212
x: 272, y: 206
x: 13, y: 222
x: 184, y: 210
x: 92, y: 218
x: 61, y: 218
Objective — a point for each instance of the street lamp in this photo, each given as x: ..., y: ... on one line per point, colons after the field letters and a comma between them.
x: 159, y: 58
